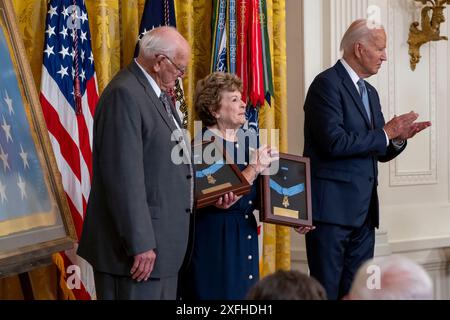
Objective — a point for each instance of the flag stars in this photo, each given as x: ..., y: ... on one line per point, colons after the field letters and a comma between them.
x: 64, y: 32
x: 7, y: 128
x: 49, y: 51
x: 63, y: 72
x: 4, y: 158
x: 51, y: 31
x: 65, y: 12
x: 9, y: 101
x: 82, y: 75
x: 84, y: 16
x: 83, y: 36
x: 52, y: 12
x: 82, y: 55
x: 91, y: 58
x: 24, y: 156
x: 64, y: 51
x: 22, y: 185
x: 3, y: 197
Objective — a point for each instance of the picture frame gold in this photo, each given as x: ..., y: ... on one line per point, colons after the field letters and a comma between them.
x: 286, y: 195
x: 35, y: 219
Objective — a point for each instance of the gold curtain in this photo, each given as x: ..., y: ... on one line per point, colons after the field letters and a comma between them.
x: 276, y: 239
x: 114, y: 26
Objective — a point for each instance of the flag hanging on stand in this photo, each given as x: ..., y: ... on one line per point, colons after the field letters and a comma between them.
x: 68, y: 97
x: 162, y: 13
x: 265, y: 46
x: 240, y: 45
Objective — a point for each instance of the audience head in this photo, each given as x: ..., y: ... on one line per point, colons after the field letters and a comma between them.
x: 391, y: 278
x: 287, y: 285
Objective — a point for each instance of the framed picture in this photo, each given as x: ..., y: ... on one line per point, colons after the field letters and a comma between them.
x: 215, y: 174
x: 286, y: 195
x: 35, y: 220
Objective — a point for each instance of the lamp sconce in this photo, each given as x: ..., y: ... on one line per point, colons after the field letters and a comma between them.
x: 430, y: 28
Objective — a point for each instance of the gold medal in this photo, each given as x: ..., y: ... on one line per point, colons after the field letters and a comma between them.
x: 286, y: 201
x: 211, y: 179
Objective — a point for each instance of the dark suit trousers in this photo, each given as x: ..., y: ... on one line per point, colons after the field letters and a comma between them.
x: 335, y: 253
x: 112, y: 287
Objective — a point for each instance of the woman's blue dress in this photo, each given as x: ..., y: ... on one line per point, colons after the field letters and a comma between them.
x: 224, y: 262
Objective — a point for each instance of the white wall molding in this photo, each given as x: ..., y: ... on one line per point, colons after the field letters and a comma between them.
x: 398, y: 46
x: 314, y: 32
x: 342, y: 14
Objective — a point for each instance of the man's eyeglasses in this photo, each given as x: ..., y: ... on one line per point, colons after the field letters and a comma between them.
x: 181, y: 70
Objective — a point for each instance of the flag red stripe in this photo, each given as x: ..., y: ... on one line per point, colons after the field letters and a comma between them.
x: 69, y: 149
x: 85, y: 146
x: 76, y: 216
x: 92, y: 94
x: 84, y: 208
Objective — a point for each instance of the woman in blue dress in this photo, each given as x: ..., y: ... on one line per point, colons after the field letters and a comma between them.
x: 224, y: 262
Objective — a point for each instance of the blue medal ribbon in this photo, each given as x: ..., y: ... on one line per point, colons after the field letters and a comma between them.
x: 208, y: 172
x: 287, y: 192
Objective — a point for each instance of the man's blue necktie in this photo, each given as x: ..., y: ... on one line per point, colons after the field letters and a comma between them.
x: 364, y: 97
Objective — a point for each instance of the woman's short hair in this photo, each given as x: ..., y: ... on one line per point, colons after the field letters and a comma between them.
x: 208, y: 94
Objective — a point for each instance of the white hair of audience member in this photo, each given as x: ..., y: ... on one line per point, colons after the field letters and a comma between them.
x: 400, y: 279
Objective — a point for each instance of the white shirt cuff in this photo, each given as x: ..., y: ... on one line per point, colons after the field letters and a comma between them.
x: 387, y: 138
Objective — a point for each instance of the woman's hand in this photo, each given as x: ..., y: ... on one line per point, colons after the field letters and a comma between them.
x: 304, y: 229
x: 263, y: 157
x: 227, y: 200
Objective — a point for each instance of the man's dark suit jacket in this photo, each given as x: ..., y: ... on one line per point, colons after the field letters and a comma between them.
x: 344, y: 148
x: 140, y: 200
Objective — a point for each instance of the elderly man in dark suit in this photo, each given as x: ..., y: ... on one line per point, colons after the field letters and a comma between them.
x: 136, y: 229
x: 345, y: 137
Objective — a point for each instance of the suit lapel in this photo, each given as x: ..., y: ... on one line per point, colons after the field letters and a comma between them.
x: 134, y: 68
x: 350, y: 86
x: 175, y: 113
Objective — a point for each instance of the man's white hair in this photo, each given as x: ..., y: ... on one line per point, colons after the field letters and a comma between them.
x: 359, y: 30
x: 401, y: 279
x: 156, y: 42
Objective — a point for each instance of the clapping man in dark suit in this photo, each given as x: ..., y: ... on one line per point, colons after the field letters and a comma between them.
x: 345, y: 137
x: 135, y: 233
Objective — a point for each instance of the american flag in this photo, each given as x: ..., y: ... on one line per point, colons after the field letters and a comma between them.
x: 68, y: 98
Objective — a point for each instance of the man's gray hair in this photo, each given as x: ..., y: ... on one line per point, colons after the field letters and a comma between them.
x: 400, y: 279
x: 156, y: 42
x: 359, y: 30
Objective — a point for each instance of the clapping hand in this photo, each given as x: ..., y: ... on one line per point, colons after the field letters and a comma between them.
x: 403, y: 127
x: 263, y: 157
x: 416, y: 128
